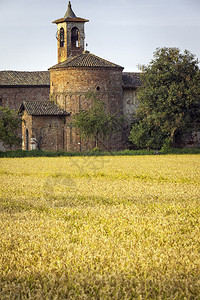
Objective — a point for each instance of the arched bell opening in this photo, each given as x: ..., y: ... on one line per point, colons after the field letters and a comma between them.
x: 62, y: 37
x: 75, y: 37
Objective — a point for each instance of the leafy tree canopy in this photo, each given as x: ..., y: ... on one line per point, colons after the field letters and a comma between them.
x: 9, y: 123
x: 169, y: 98
x: 95, y: 122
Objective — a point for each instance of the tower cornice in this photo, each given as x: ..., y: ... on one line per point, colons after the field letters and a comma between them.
x: 62, y: 20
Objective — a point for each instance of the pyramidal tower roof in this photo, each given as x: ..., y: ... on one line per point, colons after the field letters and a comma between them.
x: 69, y: 12
x: 70, y: 16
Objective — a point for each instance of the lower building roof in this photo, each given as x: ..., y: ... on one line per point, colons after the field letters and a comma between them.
x: 42, y: 108
x: 22, y: 78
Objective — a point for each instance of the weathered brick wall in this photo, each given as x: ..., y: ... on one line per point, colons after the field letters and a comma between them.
x: 14, y: 96
x: 130, y: 103
x: 44, y: 132
x: 49, y: 132
x: 84, y: 80
x: 26, y: 131
x: 69, y: 88
x: 71, y: 50
x: 68, y: 51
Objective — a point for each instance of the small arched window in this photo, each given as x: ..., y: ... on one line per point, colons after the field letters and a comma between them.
x: 62, y: 37
x: 75, y: 37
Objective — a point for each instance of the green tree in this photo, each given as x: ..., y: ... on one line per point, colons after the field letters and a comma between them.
x: 169, y: 99
x: 95, y: 122
x: 9, y: 124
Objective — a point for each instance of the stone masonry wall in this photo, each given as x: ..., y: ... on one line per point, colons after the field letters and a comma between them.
x: 44, y: 132
x: 26, y: 131
x: 49, y: 132
x: 68, y: 51
x: 71, y: 50
x: 69, y: 88
x: 130, y: 103
x: 14, y: 96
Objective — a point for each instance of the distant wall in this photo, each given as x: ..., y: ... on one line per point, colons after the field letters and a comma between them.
x: 69, y: 88
x: 43, y: 132
x: 130, y: 103
x: 14, y: 96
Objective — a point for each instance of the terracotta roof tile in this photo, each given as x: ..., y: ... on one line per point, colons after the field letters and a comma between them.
x: 42, y: 108
x: 42, y: 78
x: 131, y: 80
x: 18, y: 78
x: 86, y: 60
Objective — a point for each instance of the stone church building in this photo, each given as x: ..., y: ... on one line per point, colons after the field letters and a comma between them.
x: 48, y: 100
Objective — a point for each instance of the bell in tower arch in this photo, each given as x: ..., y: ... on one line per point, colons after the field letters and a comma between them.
x: 75, y: 37
x: 70, y: 35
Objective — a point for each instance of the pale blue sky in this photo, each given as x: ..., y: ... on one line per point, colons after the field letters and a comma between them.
x: 126, y: 32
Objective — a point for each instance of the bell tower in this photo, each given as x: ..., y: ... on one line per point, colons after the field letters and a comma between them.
x: 70, y: 35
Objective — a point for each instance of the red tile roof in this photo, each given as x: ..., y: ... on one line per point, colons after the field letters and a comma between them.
x: 86, y: 60
x: 18, y: 78
x: 42, y: 108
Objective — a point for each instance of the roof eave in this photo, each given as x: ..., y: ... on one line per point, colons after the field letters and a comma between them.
x: 62, y: 20
x: 24, y: 86
x: 86, y: 68
x: 23, y: 107
x: 130, y: 87
x: 50, y: 115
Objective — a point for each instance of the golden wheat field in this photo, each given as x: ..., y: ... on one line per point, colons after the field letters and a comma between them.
x: 100, y: 227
